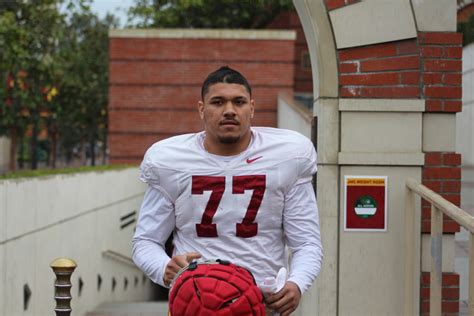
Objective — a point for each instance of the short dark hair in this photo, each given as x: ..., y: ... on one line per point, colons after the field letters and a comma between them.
x: 224, y: 74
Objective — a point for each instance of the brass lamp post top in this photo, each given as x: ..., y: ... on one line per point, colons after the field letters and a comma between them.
x: 63, y: 263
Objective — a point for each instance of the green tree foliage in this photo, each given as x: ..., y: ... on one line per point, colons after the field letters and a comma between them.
x: 27, y: 62
x: 240, y: 14
x: 53, y: 75
x: 467, y: 30
x: 84, y: 51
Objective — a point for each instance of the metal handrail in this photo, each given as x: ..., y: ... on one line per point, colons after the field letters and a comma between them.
x: 117, y: 256
x: 439, y: 205
x: 457, y: 214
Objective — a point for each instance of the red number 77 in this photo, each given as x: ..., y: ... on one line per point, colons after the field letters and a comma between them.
x: 247, y: 228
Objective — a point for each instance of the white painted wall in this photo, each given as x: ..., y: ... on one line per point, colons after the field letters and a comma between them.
x: 465, y: 128
x: 76, y: 216
x: 465, y: 146
x: 293, y: 115
x: 465, y: 137
x: 4, y: 153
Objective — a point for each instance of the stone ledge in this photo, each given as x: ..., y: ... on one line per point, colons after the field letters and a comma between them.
x: 381, y: 105
x: 131, y: 309
x: 385, y: 159
x: 283, y: 35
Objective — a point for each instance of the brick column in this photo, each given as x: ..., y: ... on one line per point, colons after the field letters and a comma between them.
x: 450, y: 294
x: 389, y: 70
x: 442, y: 174
x: 441, y: 54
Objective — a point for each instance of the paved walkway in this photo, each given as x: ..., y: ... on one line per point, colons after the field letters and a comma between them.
x: 131, y: 309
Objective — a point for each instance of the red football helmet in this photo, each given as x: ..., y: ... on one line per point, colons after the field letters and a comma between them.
x: 215, y: 288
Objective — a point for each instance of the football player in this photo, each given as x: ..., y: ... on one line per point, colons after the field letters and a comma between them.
x: 232, y: 192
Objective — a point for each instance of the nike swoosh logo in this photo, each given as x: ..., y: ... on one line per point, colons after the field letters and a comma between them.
x: 252, y: 160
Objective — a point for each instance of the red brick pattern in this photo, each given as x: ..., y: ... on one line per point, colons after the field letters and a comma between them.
x: 177, y: 73
x: 203, y: 50
x: 388, y: 70
x: 155, y: 84
x: 449, y: 293
x: 465, y: 12
x: 185, y: 97
x: 169, y: 121
x: 442, y: 174
x: 441, y: 70
x: 303, y: 77
x: 441, y: 55
x: 129, y: 147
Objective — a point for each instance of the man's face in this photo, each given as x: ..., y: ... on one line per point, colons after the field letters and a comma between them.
x: 226, y: 111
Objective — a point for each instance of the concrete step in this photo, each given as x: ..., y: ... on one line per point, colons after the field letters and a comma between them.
x: 131, y: 309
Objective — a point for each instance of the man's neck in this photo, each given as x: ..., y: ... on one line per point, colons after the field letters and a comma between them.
x: 222, y: 149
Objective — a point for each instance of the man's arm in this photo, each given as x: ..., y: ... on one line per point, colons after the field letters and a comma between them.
x: 301, y: 227
x: 155, y: 224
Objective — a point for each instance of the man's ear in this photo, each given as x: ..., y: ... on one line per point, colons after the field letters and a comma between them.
x: 201, y: 109
x: 252, y: 105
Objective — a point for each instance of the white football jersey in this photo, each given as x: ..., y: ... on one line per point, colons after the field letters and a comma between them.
x: 231, y: 207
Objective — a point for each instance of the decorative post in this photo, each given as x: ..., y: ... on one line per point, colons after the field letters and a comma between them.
x: 63, y: 268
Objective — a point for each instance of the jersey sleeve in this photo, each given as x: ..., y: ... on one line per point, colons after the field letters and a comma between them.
x: 306, y: 161
x: 302, y: 234
x: 155, y: 224
x: 155, y: 174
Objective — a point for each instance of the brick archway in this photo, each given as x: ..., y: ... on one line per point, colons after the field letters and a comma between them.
x: 387, y: 85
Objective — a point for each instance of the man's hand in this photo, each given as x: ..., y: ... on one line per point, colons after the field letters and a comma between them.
x: 177, y: 263
x: 286, y: 300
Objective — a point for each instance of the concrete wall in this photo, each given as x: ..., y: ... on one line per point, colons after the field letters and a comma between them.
x: 79, y: 216
x: 293, y: 115
x: 465, y: 146
x: 289, y: 20
x: 465, y: 129
x: 4, y: 153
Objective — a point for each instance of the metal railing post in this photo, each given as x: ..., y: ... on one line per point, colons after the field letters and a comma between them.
x: 436, y: 260
x: 63, y: 268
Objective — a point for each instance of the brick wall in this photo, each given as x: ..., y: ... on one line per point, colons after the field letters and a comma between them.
x: 449, y: 294
x: 465, y: 13
x: 155, y: 84
x: 289, y: 20
x: 441, y: 55
x: 442, y: 174
x: 388, y: 70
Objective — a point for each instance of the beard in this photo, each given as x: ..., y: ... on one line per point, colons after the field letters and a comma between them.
x: 229, y: 139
